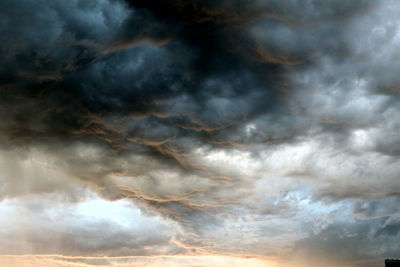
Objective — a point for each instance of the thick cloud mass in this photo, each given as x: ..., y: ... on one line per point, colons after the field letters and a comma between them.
x: 258, y: 128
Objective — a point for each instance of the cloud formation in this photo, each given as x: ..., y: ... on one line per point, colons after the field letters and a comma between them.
x: 245, y: 128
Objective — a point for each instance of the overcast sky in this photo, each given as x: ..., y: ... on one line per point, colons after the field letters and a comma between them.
x: 199, y: 132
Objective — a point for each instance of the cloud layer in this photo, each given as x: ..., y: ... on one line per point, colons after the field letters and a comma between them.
x: 263, y: 129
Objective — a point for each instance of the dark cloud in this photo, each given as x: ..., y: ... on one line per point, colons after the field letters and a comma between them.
x: 232, y: 118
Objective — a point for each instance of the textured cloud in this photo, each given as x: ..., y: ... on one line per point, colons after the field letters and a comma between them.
x: 92, y: 227
x: 261, y: 129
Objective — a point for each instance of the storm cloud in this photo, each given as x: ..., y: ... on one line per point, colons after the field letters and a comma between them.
x: 264, y: 129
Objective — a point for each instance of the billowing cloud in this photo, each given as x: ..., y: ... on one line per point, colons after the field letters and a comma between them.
x: 264, y: 129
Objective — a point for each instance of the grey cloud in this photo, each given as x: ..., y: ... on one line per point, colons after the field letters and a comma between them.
x: 354, y: 242
x: 25, y: 172
x: 231, y: 118
x: 69, y: 232
x: 376, y: 208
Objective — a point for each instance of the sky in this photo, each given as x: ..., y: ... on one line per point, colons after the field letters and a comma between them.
x: 199, y: 133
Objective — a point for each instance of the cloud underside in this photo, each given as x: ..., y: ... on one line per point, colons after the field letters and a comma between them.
x: 262, y: 129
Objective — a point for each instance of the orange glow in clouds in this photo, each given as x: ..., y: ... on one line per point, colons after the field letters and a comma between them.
x: 162, y: 261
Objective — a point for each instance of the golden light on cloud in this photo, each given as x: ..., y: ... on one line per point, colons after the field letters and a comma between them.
x: 161, y: 261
